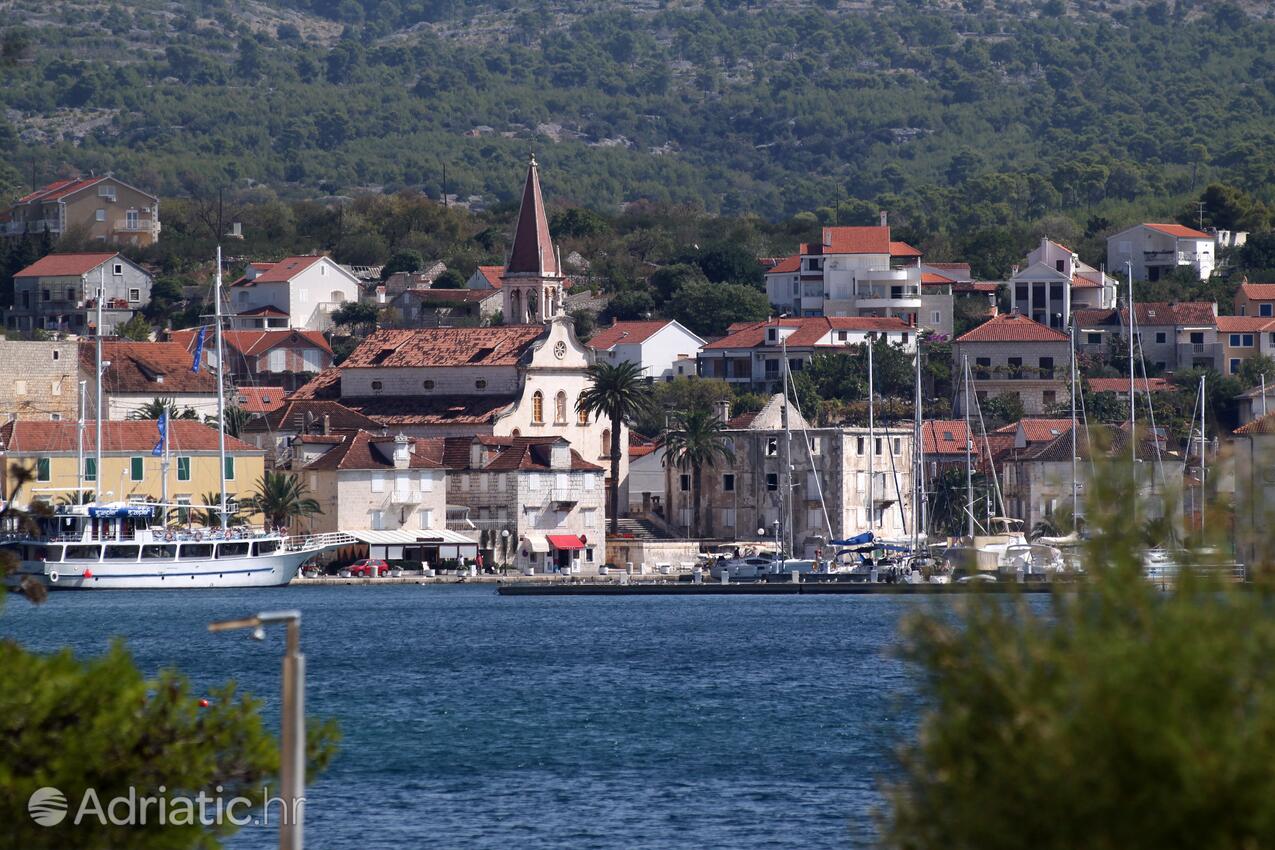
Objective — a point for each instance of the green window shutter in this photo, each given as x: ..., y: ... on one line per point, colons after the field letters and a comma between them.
x: 230, y: 469
x: 42, y: 469
x: 183, y: 469
x: 90, y: 469
x: 136, y: 468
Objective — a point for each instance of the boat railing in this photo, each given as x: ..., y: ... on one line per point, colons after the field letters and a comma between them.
x: 301, y: 543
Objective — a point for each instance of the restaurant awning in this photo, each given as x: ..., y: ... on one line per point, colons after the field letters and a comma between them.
x: 408, y: 537
x: 565, y: 541
x: 534, y: 543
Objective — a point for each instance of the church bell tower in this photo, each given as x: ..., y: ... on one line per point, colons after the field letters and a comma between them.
x: 532, y: 284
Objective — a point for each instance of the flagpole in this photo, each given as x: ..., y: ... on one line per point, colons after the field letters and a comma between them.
x: 221, y: 390
x: 164, y: 468
x: 97, y: 442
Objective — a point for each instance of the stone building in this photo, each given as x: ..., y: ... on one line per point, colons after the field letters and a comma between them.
x: 59, y: 293
x: 38, y: 380
x: 1013, y: 355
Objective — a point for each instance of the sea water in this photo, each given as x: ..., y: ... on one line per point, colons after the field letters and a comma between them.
x: 474, y: 720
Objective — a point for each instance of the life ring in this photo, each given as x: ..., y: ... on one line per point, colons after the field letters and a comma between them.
x: 199, y: 535
x: 168, y: 536
x: 53, y: 576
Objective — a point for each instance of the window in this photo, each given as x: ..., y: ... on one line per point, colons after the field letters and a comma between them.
x: 426, y: 518
x: 772, y: 481
x: 814, y: 445
x: 136, y: 468
x: 118, y: 269
x: 378, y: 482
x: 1234, y: 366
x: 560, y: 408
x: 982, y: 368
x: 42, y: 469
x: 876, y: 446
x: 378, y: 520
x: 582, y: 416
x: 312, y: 359
x: 480, y: 384
x: 90, y: 469
x: 134, y: 295
x: 1247, y: 341
x: 1235, y: 340
x: 858, y: 445
x: 101, y: 215
x: 70, y: 296
x: 1059, y: 264
x: 606, y: 443
x: 429, y: 385
x: 56, y: 354
x: 230, y: 469
x: 728, y: 517
x: 183, y: 469
x: 936, y: 317
x: 1161, y: 338
x: 1197, y: 337
x: 898, y: 445
x: 45, y: 295
x: 1049, y: 397
x: 56, y: 387
x: 1016, y: 368
x: 1047, y: 368
x: 1265, y: 309
x: 376, y: 385
x: 684, y: 482
x: 1094, y: 339
x: 728, y: 482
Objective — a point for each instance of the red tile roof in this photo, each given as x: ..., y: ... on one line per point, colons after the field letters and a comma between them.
x: 808, y: 330
x: 1086, y: 281
x: 1121, y: 385
x: 532, y: 250
x: 981, y: 286
x: 626, y: 332
x: 138, y: 436
x: 932, y: 279
x: 1179, y: 231
x: 362, y: 450
x: 787, y: 265
x: 1246, y: 324
x: 449, y: 296
x: 511, y: 454
x: 160, y: 369
x: 280, y: 272
x: 397, y: 411
x: 492, y: 274
x: 295, y: 413
x: 944, y: 436
x: 267, y: 310
x: 851, y: 240
x: 497, y: 346
x: 1152, y: 314
x: 1258, y: 291
x: 59, y: 189
x: 259, y: 399
x: 1037, y: 430
x: 1012, y: 327
x: 65, y: 265
x: 253, y: 342
x: 1260, y: 425
x: 903, y: 249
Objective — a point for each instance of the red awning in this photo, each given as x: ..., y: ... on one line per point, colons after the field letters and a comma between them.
x: 565, y: 541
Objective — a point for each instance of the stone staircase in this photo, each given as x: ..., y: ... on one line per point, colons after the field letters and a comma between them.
x: 638, y: 528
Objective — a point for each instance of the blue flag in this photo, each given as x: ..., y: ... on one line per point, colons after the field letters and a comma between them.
x: 162, y: 425
x: 199, y: 350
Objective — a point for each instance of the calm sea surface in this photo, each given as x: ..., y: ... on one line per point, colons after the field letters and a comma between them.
x: 472, y: 720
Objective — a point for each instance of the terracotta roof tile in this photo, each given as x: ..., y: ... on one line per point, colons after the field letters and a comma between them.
x: 1258, y: 291
x: 532, y: 250
x: 258, y: 399
x: 161, y: 369
x: 65, y: 265
x: 944, y: 436
x: 1260, y: 425
x: 285, y: 270
x: 432, y: 409
x: 1179, y: 231
x: 808, y: 330
x: 853, y: 240
x: 1012, y: 327
x: 134, y: 435
x: 903, y: 249
x: 608, y: 336
x: 787, y: 265
x: 493, y: 275
x: 1245, y: 324
x: 1121, y: 385
x: 294, y: 413
x: 253, y: 342
x: 497, y: 346
x: 59, y: 189
x: 362, y: 450
x: 933, y: 279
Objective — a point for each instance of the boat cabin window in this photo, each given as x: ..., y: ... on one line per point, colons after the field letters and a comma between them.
x: 232, y: 550
x: 266, y: 547
x: 51, y: 554
x: 122, y: 553
x: 159, y: 552
x: 83, y: 553
x: 196, y: 550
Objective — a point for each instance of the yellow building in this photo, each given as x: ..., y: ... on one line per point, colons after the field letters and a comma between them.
x: 130, y: 472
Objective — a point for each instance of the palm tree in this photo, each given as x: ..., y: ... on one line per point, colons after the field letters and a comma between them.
x: 697, y: 439
x: 82, y: 497
x: 154, y: 408
x: 210, y: 516
x: 281, y: 497
x: 236, y: 418
x: 620, y: 393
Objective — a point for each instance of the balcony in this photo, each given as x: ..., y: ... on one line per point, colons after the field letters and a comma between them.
x: 1204, y: 353
x: 562, y: 497
x: 141, y: 225
x: 17, y: 228
x: 403, y: 498
x: 896, y: 297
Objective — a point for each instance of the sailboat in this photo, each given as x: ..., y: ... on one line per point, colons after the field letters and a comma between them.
x: 115, y: 546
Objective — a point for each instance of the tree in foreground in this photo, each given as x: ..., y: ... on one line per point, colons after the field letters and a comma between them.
x: 619, y: 393
x: 281, y: 497
x: 696, y: 439
x: 1112, y: 715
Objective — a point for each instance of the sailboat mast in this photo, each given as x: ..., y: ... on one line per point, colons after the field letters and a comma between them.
x: 1133, y: 415
x: 969, y: 442
x: 918, y: 455
x: 221, y: 391
x: 79, y: 454
x: 1202, y: 476
x: 785, y: 506
x: 1075, y: 490
x: 97, y: 445
x: 872, y: 446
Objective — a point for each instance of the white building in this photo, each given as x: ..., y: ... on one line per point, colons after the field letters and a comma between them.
x: 752, y: 353
x: 1154, y: 250
x: 1054, y: 281
x: 307, y: 289
x: 856, y: 271
x: 136, y: 373
x: 533, y: 502
x: 655, y: 346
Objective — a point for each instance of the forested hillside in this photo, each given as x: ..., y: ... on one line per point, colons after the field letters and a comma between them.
x: 955, y: 116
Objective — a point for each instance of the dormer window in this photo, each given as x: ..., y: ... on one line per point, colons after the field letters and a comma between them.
x: 376, y: 385
x: 480, y: 384
x: 428, y: 384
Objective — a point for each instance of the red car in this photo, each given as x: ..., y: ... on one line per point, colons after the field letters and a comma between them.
x: 369, y: 568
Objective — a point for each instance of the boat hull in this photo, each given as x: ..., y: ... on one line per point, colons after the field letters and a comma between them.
x: 257, y: 571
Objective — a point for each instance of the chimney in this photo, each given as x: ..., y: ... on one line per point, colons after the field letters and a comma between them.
x: 1044, y: 242
x: 721, y: 409
x: 402, y: 451
x: 327, y: 425
x: 475, y: 455
x: 885, y: 218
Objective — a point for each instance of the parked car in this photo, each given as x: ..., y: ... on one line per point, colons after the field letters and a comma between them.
x: 369, y: 568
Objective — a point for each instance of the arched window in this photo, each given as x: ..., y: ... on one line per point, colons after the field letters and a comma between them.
x: 582, y: 416
x: 538, y: 408
x: 606, y: 443
x: 560, y: 408
x: 515, y: 308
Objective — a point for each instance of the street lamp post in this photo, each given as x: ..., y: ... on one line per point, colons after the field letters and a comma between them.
x: 292, y: 759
